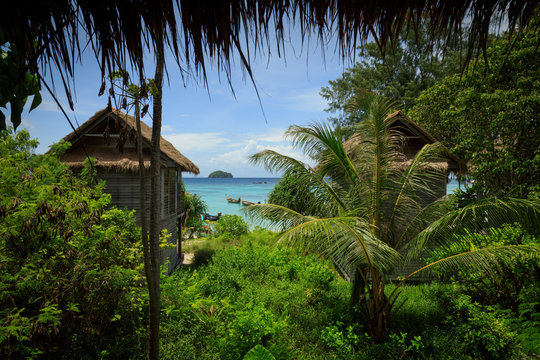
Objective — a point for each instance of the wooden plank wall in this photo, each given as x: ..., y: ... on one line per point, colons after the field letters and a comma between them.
x: 124, y: 190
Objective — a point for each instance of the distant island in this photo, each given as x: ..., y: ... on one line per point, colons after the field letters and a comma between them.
x: 220, y: 174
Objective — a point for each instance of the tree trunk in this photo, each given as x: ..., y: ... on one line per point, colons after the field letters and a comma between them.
x: 358, y: 288
x: 142, y: 196
x: 155, y: 209
x: 379, y: 308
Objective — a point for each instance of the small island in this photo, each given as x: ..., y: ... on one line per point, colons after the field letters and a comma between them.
x: 220, y: 174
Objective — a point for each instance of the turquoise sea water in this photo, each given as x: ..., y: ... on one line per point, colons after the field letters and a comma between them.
x: 213, y: 191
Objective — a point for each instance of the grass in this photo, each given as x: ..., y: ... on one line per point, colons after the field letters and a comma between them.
x: 249, y: 291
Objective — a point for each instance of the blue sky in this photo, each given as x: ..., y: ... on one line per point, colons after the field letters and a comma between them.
x: 213, y: 128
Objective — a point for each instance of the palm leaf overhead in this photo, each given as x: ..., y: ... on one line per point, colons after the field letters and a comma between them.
x: 197, y: 33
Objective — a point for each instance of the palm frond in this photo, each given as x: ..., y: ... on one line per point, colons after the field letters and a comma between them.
x: 478, y: 217
x: 321, y: 143
x: 411, y: 185
x: 275, y: 162
x: 343, y: 238
x: 484, y: 259
x: 276, y: 215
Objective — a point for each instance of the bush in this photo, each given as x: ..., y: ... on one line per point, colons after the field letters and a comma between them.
x: 231, y: 227
x: 70, y: 269
x: 501, y: 285
x: 480, y: 331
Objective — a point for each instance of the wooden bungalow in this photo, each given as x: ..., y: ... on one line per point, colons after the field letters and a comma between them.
x: 110, y: 138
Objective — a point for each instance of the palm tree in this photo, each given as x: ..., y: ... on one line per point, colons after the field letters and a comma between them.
x: 374, y: 218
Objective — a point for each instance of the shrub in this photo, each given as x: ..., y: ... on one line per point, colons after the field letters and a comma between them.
x: 502, y: 284
x: 70, y: 270
x: 249, y: 325
x: 231, y: 227
x: 480, y: 331
x: 527, y: 322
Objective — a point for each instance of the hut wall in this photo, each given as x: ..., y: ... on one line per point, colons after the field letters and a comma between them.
x: 124, y: 189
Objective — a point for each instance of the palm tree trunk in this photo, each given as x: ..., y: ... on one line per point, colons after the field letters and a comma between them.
x: 155, y: 209
x: 358, y: 288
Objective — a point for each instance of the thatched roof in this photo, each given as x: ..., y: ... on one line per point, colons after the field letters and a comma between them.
x: 123, y: 161
x: 400, y: 122
x: 198, y: 32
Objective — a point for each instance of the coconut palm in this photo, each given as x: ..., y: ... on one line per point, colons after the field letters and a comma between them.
x: 375, y: 218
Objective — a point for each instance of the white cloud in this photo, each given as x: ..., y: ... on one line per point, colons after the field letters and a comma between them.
x: 197, y: 142
x: 166, y: 129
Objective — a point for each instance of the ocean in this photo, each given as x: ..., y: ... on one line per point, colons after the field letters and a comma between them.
x: 213, y: 191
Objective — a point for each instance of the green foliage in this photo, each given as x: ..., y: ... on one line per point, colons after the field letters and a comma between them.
x: 16, y: 84
x: 502, y: 284
x: 249, y: 295
x: 259, y: 353
x: 343, y: 340
x: 292, y: 192
x: 230, y: 227
x: 477, y: 327
x: 250, y: 324
x: 220, y: 174
x: 527, y: 322
x: 487, y: 115
x: 194, y: 206
x: 69, y: 266
x: 376, y: 210
x: 262, y: 294
x: 410, y: 65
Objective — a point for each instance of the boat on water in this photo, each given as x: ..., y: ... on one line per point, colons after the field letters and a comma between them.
x: 209, y: 217
x: 247, y: 203
x: 231, y: 200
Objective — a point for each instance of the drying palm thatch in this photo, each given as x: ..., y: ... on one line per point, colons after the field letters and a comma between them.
x: 119, y: 32
x: 102, y: 129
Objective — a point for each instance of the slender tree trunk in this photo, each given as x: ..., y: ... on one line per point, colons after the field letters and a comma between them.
x: 143, y: 213
x: 155, y: 209
x: 142, y: 190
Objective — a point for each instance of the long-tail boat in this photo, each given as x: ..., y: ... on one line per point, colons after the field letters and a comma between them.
x: 209, y: 217
x: 231, y: 200
x: 247, y: 203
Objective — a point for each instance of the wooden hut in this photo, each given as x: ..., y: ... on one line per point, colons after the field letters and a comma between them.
x: 110, y: 138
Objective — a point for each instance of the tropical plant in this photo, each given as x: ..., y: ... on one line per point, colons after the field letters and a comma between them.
x: 377, y: 216
x: 231, y: 227
x: 503, y: 284
x: 292, y: 193
x: 194, y: 206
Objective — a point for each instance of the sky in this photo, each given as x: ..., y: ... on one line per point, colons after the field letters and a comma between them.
x: 214, y: 128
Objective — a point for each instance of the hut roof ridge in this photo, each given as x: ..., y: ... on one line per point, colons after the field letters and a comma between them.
x: 146, y: 131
